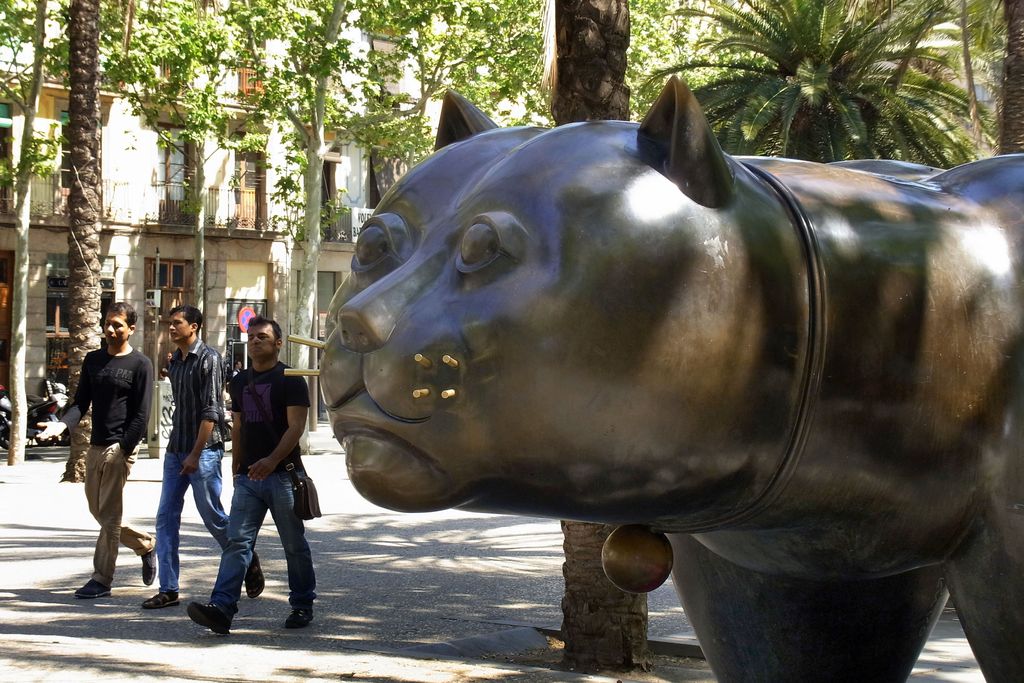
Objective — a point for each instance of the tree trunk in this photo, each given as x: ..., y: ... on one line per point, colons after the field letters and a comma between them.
x: 591, y: 38
x: 965, y: 44
x: 305, y: 291
x: 199, y: 241
x: 23, y: 220
x: 601, y: 625
x: 84, y: 208
x: 1011, y: 134
x: 19, y: 308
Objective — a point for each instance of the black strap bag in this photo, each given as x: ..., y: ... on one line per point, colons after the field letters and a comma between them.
x: 307, y: 502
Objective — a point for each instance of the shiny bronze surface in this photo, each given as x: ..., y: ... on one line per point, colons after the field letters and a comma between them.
x: 636, y: 559
x: 807, y: 375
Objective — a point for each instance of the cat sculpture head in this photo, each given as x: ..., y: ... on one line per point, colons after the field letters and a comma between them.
x: 603, y: 321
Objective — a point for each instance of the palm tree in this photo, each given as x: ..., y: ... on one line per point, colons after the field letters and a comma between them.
x: 601, y: 625
x: 83, y: 205
x: 828, y: 80
x: 1011, y: 134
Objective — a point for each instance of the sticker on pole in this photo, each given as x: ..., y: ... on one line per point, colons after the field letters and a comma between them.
x: 245, y: 316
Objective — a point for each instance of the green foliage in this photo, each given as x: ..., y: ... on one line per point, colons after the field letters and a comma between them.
x: 488, y: 50
x: 17, y: 62
x: 41, y: 153
x: 830, y: 79
x: 172, y: 69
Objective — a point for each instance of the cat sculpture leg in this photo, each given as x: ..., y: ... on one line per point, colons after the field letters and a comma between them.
x: 777, y: 629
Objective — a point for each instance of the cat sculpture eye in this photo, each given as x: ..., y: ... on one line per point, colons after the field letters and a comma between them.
x: 489, y: 237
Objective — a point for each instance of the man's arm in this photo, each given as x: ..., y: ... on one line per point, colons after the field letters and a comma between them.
x: 211, y: 411
x: 236, y: 443
x: 191, y: 463
x: 74, y: 413
x: 261, y: 469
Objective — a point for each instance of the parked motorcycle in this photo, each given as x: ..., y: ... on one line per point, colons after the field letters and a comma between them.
x: 46, y: 408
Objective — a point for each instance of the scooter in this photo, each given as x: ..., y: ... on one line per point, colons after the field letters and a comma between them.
x: 40, y: 409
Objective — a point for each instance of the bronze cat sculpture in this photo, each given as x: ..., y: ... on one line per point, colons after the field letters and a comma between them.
x: 808, y: 376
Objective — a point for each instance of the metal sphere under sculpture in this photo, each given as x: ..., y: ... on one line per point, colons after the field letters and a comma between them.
x: 636, y: 559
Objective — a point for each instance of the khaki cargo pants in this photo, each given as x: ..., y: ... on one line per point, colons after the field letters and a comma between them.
x: 106, y: 471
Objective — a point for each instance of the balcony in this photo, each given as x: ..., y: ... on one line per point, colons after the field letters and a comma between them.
x: 342, y: 223
x: 232, y: 209
x: 50, y: 200
x: 164, y: 204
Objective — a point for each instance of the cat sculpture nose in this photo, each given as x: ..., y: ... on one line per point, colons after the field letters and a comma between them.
x: 364, y: 329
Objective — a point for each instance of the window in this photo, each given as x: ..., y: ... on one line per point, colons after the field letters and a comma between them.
x: 66, y: 170
x: 173, y: 274
x: 6, y: 194
x: 173, y: 173
x: 248, y: 83
x: 57, y: 309
x: 250, y: 189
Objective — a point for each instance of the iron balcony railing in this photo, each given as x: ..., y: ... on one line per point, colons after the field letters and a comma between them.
x: 171, y: 205
x: 231, y: 208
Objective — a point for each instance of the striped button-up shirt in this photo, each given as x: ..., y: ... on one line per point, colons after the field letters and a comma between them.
x: 197, y: 382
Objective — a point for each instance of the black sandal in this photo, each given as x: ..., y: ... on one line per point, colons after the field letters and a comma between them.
x: 254, y: 581
x: 161, y: 600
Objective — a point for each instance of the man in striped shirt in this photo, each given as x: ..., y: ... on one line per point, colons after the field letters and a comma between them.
x: 194, y: 453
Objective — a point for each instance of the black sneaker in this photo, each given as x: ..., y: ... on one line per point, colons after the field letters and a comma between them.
x: 299, y: 618
x: 149, y: 568
x: 93, y: 589
x: 254, y: 581
x: 211, y: 616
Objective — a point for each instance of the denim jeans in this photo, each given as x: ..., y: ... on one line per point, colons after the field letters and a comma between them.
x: 206, y: 487
x: 249, y: 506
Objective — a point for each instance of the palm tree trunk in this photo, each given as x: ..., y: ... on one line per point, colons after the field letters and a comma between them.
x: 84, y: 208
x: 1011, y: 134
x: 591, y: 39
x: 601, y: 625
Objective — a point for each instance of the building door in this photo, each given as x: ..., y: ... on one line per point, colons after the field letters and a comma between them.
x: 6, y: 270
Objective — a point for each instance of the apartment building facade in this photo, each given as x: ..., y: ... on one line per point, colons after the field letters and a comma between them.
x: 148, y: 230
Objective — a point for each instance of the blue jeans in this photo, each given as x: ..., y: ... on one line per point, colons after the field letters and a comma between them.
x: 206, y: 487
x: 249, y: 506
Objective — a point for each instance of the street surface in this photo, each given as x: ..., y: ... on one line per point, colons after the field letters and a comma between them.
x: 402, y: 597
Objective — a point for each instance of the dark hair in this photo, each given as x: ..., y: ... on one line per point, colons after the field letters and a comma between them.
x: 260, y: 321
x: 124, y: 309
x: 191, y: 314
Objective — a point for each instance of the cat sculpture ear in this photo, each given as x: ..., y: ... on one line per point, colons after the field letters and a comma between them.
x: 460, y: 119
x: 694, y: 161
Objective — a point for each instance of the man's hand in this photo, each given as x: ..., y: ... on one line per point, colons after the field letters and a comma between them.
x: 190, y: 465
x: 51, y: 430
x: 261, y: 469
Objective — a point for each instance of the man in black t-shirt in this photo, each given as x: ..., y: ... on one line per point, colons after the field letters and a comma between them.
x: 268, y: 418
x: 117, y: 383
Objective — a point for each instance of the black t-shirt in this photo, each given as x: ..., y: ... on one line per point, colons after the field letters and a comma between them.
x: 119, y: 389
x: 275, y: 392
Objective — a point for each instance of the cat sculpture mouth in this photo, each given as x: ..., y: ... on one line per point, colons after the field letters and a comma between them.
x: 390, y: 472
x: 386, y: 469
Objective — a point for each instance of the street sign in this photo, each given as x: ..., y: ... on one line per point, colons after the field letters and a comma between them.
x: 245, y: 315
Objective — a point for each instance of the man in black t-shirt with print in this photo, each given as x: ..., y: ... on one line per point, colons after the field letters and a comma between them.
x: 116, y: 382
x: 268, y: 418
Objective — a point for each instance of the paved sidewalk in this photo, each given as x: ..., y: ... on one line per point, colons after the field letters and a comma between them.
x: 424, y: 597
